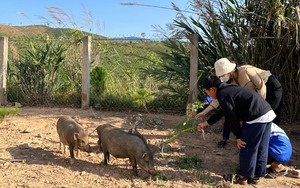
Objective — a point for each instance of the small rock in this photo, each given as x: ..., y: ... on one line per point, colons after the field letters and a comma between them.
x: 163, y: 162
x: 157, y: 121
x: 6, y: 164
x: 24, y: 146
x: 36, y: 142
x: 220, y: 153
x: 18, y: 105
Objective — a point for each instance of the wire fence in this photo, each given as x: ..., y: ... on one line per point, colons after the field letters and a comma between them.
x: 43, y: 71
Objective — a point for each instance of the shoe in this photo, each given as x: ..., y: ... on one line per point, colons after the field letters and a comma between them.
x: 228, y: 177
x: 269, y: 170
x: 222, y: 144
x: 293, y: 173
x: 273, y: 174
x: 254, y: 180
x: 241, y: 181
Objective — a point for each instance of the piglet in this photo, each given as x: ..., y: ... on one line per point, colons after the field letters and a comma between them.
x: 72, y: 134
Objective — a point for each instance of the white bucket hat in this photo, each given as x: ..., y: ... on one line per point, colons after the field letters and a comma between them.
x: 224, y: 66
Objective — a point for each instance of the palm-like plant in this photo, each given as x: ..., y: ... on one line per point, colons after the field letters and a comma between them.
x: 173, y: 70
x: 36, y: 72
x: 262, y: 33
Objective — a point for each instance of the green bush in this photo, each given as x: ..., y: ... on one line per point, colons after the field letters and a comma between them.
x: 113, y: 101
x: 98, y: 80
x: 67, y: 98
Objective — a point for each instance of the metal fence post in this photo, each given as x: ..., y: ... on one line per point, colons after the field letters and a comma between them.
x: 85, y: 71
x: 3, y: 69
x: 193, y: 89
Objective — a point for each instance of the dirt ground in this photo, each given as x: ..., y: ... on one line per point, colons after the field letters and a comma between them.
x: 30, y: 155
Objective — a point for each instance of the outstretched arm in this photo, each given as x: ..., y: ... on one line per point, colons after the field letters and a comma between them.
x: 213, y: 105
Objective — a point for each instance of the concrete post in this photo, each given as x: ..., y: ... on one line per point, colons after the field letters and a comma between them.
x: 193, y: 89
x: 85, y: 70
x: 3, y: 69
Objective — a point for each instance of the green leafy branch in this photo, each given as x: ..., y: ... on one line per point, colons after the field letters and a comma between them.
x: 7, y: 111
x: 197, y: 105
x: 188, y: 124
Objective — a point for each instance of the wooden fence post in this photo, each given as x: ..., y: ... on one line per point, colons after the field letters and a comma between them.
x: 85, y: 71
x: 3, y: 69
x: 193, y: 89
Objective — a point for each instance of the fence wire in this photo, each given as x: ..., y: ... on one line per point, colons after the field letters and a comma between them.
x: 43, y: 71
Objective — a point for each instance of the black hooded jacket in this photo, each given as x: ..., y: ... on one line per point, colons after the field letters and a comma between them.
x: 238, y: 104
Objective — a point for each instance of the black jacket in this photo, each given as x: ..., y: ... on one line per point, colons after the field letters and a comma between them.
x: 238, y: 104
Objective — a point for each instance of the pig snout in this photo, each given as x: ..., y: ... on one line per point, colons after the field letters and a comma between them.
x: 88, y: 148
x: 149, y: 168
x: 85, y: 147
x: 147, y: 163
x: 152, y: 172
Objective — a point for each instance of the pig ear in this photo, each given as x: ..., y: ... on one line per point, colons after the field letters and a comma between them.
x: 76, y: 136
x: 144, y: 155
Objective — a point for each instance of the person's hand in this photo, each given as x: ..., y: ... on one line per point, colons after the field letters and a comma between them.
x: 200, y: 116
x: 202, y: 125
x: 240, y: 144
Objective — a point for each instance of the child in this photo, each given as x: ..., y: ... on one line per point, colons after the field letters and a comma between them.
x: 241, y: 104
x: 280, y: 151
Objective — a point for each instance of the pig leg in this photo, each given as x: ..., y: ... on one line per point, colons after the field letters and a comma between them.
x: 106, y: 155
x: 76, y: 148
x: 72, y: 158
x: 60, y: 143
x: 133, y: 164
x: 78, y: 153
x: 64, y: 149
x: 99, y: 144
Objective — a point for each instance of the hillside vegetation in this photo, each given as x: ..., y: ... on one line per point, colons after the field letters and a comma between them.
x: 32, y: 30
x: 45, y: 68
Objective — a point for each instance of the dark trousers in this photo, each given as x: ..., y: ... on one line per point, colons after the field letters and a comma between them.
x: 274, y: 97
x: 253, y: 158
x: 226, y: 131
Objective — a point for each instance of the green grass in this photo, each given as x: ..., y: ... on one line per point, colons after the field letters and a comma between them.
x: 187, y: 162
x: 7, y: 111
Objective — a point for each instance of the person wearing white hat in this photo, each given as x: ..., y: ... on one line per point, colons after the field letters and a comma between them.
x: 252, y: 78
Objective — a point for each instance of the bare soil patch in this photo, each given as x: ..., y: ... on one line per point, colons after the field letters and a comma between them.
x: 30, y: 155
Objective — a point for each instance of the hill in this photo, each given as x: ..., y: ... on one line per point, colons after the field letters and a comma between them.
x: 31, y: 30
x: 10, y: 31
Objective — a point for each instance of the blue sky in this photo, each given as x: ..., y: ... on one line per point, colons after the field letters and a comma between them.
x: 109, y: 17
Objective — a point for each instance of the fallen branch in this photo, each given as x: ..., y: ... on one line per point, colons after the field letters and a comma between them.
x: 17, y: 160
x: 14, y: 160
x: 94, y: 115
x: 196, y: 146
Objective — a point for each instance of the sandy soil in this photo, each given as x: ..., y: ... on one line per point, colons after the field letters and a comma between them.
x: 30, y: 155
